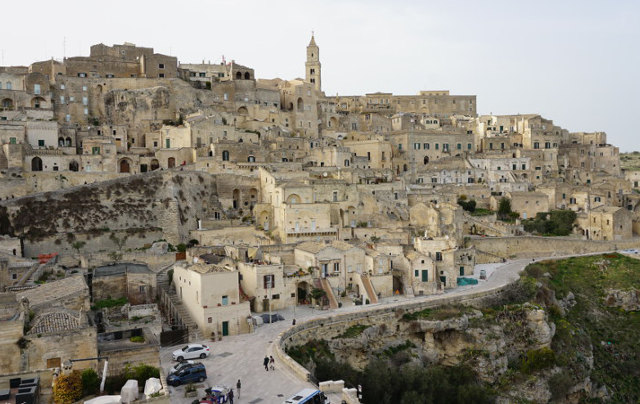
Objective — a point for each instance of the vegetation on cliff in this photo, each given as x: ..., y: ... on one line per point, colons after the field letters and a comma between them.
x: 567, y: 331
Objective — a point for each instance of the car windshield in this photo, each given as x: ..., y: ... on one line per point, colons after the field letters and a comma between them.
x: 185, y: 348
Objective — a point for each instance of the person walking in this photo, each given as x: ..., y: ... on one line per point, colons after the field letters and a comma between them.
x: 238, y: 385
x: 230, y: 396
x: 272, y: 362
x: 265, y: 362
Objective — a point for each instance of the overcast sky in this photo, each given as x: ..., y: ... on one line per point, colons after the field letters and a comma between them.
x: 576, y: 62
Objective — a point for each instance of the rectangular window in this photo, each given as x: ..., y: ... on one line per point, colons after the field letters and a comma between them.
x: 40, y: 143
x: 36, y: 88
x: 468, y: 146
x: 62, y: 99
x: 61, y: 86
x: 84, y: 88
x: 336, y: 267
x: 13, y: 140
x: 161, y: 66
x: 425, y: 146
x: 161, y: 75
x: 416, y: 273
x: 459, y: 146
x: 225, y: 300
x: 95, y: 150
x: 67, y: 118
x: 438, y: 256
x: 416, y: 146
x: 425, y: 275
x: 268, y: 281
x: 85, y: 100
x: 437, y: 146
x: 275, y: 297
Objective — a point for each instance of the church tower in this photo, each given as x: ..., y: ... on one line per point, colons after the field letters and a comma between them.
x: 313, y: 65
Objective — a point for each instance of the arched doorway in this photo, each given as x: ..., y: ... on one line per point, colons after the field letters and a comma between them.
x: 155, y: 164
x: 300, y: 104
x: 73, y: 165
x: 251, y: 159
x: 36, y: 164
x: 37, y: 102
x: 171, y: 162
x: 263, y: 220
x: 125, y: 167
x: 7, y: 103
x: 236, y: 198
x: 225, y: 155
x: 425, y: 160
x: 303, y: 295
x: 398, y: 286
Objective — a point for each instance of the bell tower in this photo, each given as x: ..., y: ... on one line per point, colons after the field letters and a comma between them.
x: 312, y: 66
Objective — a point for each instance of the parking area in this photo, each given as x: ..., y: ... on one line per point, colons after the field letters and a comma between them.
x: 240, y: 357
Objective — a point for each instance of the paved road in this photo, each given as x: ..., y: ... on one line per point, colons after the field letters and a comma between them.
x: 241, y: 356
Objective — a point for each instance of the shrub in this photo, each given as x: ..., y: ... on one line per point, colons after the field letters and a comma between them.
x: 90, y: 382
x: 559, y: 385
x: 137, y: 338
x: 538, y: 359
x: 68, y: 388
x: 100, y: 304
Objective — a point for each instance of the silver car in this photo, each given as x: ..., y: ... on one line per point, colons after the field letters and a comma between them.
x: 191, y: 351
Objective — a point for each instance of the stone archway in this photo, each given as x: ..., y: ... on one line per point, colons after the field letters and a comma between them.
x: 155, y: 164
x: 303, y: 293
x: 124, y: 166
x: 36, y: 164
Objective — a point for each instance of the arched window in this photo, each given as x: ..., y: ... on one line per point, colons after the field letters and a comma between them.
x: 426, y: 159
x: 61, y: 141
x: 251, y: 159
x: 346, y: 163
x: 238, y: 75
x: 67, y: 142
x: 404, y: 168
x: 225, y: 155
x: 247, y: 76
x: 300, y: 104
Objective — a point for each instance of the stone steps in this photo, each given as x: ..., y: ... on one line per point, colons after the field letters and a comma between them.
x: 194, y: 332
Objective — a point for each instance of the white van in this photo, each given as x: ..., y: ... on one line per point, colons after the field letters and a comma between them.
x: 308, y: 396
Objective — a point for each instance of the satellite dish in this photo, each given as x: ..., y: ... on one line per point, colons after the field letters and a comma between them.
x: 324, y: 174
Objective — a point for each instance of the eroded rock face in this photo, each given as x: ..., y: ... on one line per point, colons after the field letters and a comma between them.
x: 628, y: 300
x: 542, y: 331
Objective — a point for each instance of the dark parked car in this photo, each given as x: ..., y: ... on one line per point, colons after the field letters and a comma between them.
x: 273, y: 319
x: 191, y: 374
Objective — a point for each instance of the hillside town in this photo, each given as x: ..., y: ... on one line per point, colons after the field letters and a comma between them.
x: 149, y: 203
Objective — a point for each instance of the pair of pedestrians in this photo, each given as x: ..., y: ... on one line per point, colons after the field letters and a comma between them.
x: 269, y: 362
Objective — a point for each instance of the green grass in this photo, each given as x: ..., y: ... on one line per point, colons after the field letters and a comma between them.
x: 437, y: 313
x: 482, y: 212
x: 353, y: 331
x: 101, y: 304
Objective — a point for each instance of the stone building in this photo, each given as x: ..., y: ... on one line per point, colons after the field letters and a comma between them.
x: 211, y: 294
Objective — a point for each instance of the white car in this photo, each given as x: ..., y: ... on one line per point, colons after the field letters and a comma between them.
x: 191, y: 351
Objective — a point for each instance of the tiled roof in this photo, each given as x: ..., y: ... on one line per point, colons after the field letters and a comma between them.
x: 53, y: 322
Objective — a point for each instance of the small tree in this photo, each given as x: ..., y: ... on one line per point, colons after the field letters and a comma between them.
x: 318, y: 294
x: 67, y: 388
x: 90, y: 382
x: 78, y: 245
x: 504, y: 208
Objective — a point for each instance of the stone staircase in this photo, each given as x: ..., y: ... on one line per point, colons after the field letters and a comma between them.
x: 368, y: 287
x: 333, y: 302
x: 163, y: 283
x: 185, y: 317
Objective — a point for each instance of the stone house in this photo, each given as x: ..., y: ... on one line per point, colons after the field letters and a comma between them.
x: 606, y: 223
x: 211, y: 294
x: 132, y: 281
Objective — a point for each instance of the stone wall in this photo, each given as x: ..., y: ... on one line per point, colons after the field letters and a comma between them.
x: 169, y: 200
x: 493, y: 249
x: 139, y: 355
x: 73, y: 344
x: 10, y: 333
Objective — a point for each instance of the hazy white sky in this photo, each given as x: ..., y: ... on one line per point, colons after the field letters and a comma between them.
x: 576, y: 62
